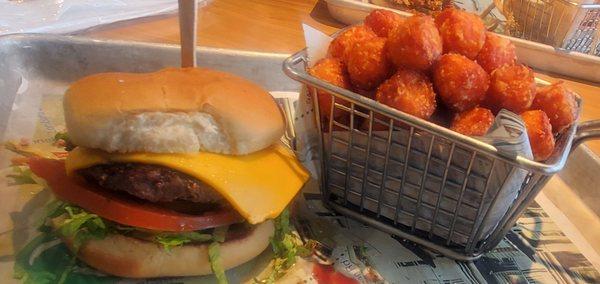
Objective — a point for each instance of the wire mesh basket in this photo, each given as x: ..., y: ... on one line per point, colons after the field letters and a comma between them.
x: 421, y: 181
x: 561, y: 23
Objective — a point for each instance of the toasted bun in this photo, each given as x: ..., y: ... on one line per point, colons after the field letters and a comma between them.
x: 129, y: 257
x: 172, y: 110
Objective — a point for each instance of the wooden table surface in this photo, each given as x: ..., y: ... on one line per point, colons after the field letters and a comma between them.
x: 275, y: 26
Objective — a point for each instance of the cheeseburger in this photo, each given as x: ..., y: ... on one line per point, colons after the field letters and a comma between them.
x: 175, y: 173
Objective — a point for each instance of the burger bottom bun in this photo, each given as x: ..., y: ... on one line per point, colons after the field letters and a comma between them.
x: 133, y: 258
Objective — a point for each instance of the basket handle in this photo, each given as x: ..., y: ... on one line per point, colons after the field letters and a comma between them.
x: 586, y: 131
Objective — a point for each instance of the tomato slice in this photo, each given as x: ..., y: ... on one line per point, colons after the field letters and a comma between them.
x: 122, y: 210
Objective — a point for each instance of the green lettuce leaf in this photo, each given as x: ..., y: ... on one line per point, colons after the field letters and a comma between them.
x: 215, y: 262
x: 61, y: 136
x: 219, y: 233
x: 21, y: 175
x: 63, y: 139
x: 54, y: 264
x: 57, y: 265
x: 20, y: 269
x: 82, y: 226
x: 168, y: 241
x: 286, y: 247
x: 54, y: 209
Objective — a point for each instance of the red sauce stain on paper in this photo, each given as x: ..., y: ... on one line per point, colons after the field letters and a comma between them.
x: 328, y: 275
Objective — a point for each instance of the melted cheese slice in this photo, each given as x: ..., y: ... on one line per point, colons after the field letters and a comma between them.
x: 259, y: 185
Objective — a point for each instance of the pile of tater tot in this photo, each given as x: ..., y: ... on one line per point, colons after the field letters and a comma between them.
x: 448, y: 63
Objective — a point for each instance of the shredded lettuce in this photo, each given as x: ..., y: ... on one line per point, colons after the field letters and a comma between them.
x: 214, y: 256
x: 21, y: 175
x: 62, y: 138
x: 80, y: 225
x: 21, y: 271
x: 285, y: 243
x: 219, y: 233
x: 54, y: 264
x: 67, y: 271
x: 54, y: 209
x: 286, y: 247
x: 169, y: 241
x: 42, y: 261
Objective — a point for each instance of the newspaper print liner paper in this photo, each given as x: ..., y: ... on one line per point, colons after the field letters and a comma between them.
x: 535, y: 250
x: 507, y: 134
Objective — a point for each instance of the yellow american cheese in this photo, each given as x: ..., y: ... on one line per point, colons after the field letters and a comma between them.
x: 259, y: 185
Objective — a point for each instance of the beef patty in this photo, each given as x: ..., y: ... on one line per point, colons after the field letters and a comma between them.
x: 150, y: 182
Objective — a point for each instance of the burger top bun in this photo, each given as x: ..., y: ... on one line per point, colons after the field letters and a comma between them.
x: 173, y: 110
